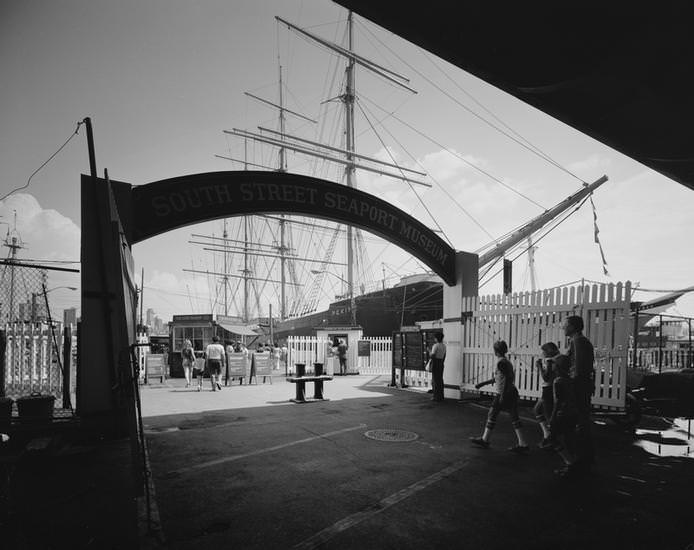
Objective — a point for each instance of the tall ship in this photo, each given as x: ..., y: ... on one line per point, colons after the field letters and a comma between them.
x: 288, y: 275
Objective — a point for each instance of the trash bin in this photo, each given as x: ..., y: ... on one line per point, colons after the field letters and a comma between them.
x: 300, y: 369
x: 5, y: 411
x: 35, y: 408
x: 318, y: 369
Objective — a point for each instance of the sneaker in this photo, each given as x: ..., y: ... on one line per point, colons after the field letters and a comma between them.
x: 479, y: 442
x: 519, y: 449
x: 546, y: 444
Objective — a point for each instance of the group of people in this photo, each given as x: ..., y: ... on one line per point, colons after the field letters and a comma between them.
x: 562, y: 411
x: 215, y: 356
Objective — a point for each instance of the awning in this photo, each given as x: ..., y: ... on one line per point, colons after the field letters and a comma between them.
x: 241, y: 330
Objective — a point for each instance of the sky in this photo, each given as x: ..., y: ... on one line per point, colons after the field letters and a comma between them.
x: 162, y: 79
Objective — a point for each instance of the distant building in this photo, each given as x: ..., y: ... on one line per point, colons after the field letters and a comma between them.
x: 157, y: 324
x: 150, y: 317
x: 70, y: 317
x: 34, y: 310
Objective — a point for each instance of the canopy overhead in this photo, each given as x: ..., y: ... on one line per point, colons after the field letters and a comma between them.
x: 241, y: 330
x: 620, y: 73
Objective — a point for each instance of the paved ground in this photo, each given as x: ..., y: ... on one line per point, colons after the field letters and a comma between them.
x: 245, y: 468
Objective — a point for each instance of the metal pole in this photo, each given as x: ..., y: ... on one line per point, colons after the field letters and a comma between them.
x: 348, y: 99
x: 33, y: 307
x: 67, y: 360
x: 635, y: 347
x: 660, y: 343
x: 691, y: 357
x: 55, y: 341
x: 142, y: 296
x: 3, y: 347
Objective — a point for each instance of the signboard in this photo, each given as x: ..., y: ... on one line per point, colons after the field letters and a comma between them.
x: 410, y: 349
x: 363, y: 348
x: 238, y: 364
x: 414, y: 351
x: 164, y: 205
x: 155, y: 366
x: 397, y: 350
x: 192, y: 318
x: 262, y: 364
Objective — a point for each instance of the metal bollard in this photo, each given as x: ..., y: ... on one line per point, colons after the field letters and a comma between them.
x: 300, y: 385
x: 318, y: 384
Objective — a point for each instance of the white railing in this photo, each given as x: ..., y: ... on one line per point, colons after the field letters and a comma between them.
x: 311, y: 349
x: 380, y: 359
x: 31, y: 360
x: 527, y: 320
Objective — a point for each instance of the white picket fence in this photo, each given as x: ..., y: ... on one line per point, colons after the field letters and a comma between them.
x: 380, y: 359
x: 31, y: 361
x: 311, y: 349
x: 527, y: 320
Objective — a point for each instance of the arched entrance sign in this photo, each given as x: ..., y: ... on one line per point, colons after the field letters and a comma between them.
x: 164, y: 205
x: 116, y: 215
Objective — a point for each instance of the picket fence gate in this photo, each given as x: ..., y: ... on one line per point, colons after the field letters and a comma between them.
x: 311, y: 349
x: 527, y: 320
x: 31, y: 360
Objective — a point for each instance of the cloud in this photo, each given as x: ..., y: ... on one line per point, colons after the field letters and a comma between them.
x: 46, y: 233
x: 590, y: 164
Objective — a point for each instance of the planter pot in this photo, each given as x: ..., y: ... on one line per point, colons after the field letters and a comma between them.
x: 35, y: 408
x: 5, y: 411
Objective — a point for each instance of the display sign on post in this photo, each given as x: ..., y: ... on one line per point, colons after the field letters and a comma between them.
x: 238, y: 365
x: 262, y: 366
x: 155, y: 367
x: 364, y: 348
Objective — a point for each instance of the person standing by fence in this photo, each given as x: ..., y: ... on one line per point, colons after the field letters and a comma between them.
x: 582, y: 356
x: 506, y: 399
x: 342, y: 356
x: 215, y: 356
x: 438, y: 356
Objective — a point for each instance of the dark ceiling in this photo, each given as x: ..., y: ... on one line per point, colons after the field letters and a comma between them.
x: 620, y: 74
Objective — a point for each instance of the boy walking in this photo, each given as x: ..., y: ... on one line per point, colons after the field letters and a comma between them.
x: 506, y: 399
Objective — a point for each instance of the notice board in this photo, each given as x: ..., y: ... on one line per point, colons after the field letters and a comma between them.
x: 363, y: 348
x: 155, y: 366
x: 238, y: 364
x: 409, y: 350
x: 414, y: 350
x: 397, y: 350
x: 262, y: 364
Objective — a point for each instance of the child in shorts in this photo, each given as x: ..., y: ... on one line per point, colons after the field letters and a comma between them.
x: 506, y: 399
x: 562, y: 423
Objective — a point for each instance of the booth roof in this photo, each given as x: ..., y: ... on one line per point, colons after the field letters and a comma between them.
x: 241, y: 330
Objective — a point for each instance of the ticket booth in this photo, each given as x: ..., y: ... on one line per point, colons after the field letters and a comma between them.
x: 350, y: 335
x: 200, y: 329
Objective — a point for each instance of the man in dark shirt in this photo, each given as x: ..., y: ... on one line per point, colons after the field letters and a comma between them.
x: 582, y: 357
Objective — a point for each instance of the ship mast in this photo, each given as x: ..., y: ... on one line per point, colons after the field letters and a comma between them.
x: 348, y: 99
x: 282, y: 247
x: 14, y: 245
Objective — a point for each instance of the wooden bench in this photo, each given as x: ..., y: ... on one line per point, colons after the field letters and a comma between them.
x: 300, y: 382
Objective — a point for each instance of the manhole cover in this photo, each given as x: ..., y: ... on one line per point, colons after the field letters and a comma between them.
x: 391, y: 435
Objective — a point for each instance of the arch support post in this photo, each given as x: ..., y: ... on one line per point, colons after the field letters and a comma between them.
x: 466, y: 284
